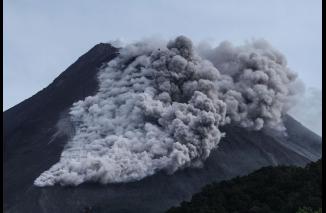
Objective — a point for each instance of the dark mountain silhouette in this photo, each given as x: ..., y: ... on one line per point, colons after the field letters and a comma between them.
x: 32, y: 145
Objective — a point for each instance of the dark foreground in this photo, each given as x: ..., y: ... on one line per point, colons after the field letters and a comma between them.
x: 282, y: 189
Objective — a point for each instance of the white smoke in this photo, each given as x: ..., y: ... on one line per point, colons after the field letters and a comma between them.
x: 160, y: 105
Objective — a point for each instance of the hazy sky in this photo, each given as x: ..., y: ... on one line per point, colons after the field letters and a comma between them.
x: 42, y: 38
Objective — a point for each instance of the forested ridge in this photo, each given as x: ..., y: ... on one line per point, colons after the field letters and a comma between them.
x: 281, y: 189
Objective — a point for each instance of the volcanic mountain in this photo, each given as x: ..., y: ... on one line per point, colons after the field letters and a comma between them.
x: 32, y: 144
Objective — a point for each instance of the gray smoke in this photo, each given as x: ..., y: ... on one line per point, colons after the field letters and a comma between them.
x: 258, y: 87
x: 160, y: 106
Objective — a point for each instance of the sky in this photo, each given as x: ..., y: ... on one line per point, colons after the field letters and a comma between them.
x: 42, y: 37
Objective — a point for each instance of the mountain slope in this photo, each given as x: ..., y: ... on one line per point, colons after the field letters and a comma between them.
x: 270, y: 189
x: 29, y: 126
x: 32, y: 144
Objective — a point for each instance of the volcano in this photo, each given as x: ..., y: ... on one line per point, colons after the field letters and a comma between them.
x: 32, y: 144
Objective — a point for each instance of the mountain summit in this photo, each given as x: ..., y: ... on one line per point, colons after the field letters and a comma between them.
x: 32, y: 144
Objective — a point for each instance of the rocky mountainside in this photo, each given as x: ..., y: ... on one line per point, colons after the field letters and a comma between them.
x: 32, y: 144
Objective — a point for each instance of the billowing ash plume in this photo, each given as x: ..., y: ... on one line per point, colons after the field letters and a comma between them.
x: 159, y: 107
x: 257, y: 86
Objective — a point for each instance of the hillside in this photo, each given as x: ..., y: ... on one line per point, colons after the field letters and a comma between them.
x: 269, y: 189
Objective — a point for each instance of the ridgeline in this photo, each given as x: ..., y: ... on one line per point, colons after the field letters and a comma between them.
x: 270, y: 189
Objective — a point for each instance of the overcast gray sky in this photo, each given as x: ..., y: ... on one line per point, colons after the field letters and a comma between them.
x: 42, y: 38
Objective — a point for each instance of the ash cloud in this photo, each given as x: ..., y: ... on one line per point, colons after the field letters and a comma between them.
x: 258, y: 86
x: 160, y: 105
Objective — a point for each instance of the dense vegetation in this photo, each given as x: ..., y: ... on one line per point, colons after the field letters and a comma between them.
x: 268, y: 190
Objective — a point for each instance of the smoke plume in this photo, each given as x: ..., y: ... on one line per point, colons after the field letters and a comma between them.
x: 160, y: 105
x: 258, y: 87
